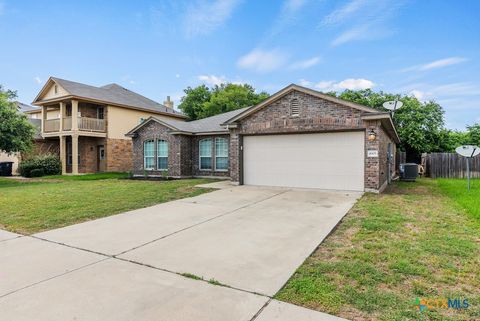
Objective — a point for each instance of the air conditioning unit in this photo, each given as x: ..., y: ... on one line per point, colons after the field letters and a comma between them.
x: 408, y: 172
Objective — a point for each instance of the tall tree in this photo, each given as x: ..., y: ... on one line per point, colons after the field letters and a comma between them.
x: 201, y: 101
x: 419, y: 124
x: 16, y: 132
x: 192, y: 103
x: 473, y: 133
x: 228, y: 97
x: 451, y: 139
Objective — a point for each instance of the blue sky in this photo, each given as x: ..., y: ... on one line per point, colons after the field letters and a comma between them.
x: 425, y: 48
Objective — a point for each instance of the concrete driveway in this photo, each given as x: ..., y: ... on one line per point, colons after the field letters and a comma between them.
x: 134, y: 265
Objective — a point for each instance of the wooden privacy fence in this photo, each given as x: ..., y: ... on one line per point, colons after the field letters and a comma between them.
x: 449, y: 165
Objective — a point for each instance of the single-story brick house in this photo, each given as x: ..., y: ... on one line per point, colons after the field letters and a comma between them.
x: 297, y: 138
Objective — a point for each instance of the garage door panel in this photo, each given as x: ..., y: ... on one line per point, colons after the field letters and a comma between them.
x: 328, y: 160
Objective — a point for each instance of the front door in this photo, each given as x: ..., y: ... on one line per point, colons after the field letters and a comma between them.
x: 101, y: 158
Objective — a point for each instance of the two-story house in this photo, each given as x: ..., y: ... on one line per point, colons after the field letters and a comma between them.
x: 86, y: 125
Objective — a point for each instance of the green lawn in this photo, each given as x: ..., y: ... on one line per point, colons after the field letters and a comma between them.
x: 417, y: 240
x: 41, y: 204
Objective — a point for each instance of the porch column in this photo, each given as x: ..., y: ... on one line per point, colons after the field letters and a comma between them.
x: 44, y: 117
x: 62, y: 115
x: 74, y: 154
x: 63, y: 154
x: 74, y: 115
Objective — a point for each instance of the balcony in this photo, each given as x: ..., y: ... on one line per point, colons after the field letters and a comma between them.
x: 85, y: 124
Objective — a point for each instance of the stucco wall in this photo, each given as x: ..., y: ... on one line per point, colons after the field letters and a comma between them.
x: 50, y: 93
x: 122, y: 120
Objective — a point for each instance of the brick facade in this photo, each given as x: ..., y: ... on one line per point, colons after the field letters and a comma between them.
x: 87, y: 148
x: 315, y: 115
x: 155, y: 131
x: 196, y: 160
x: 118, y: 155
x: 183, y: 157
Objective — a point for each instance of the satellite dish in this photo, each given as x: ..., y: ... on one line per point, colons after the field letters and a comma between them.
x: 468, y: 150
x: 392, y: 105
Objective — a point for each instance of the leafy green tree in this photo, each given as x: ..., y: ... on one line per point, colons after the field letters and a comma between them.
x: 228, y: 97
x: 201, y: 101
x: 16, y: 132
x: 451, y: 139
x: 192, y: 103
x: 419, y: 124
x: 473, y: 133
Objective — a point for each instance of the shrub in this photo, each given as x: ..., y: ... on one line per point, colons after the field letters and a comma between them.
x: 37, y: 172
x: 49, y: 164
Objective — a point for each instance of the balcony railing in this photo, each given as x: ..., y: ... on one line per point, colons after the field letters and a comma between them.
x: 52, y: 125
x: 84, y: 124
x: 91, y: 124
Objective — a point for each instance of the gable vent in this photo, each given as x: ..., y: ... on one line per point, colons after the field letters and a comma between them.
x: 294, y: 107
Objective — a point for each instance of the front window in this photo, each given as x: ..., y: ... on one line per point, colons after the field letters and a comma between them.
x: 162, y: 155
x: 149, y: 154
x: 221, y: 154
x: 205, y: 152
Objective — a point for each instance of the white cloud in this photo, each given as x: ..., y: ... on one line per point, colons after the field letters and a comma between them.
x: 177, y: 75
x: 262, y: 60
x: 203, y: 17
x: 293, y: 5
x: 332, y: 85
x: 356, y: 33
x: 443, y: 63
x: 305, y: 83
x: 437, y: 64
x: 354, y: 84
x: 38, y: 80
x: 343, y: 13
x: 458, y: 89
x: 362, y: 20
x: 305, y: 64
x: 420, y: 95
x: 325, y: 85
x: 288, y: 15
x: 212, y: 79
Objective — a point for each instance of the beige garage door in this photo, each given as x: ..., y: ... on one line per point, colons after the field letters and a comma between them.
x: 326, y: 161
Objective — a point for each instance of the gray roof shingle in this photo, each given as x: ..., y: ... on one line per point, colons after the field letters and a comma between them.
x: 206, y: 125
x: 115, y: 94
x: 24, y: 107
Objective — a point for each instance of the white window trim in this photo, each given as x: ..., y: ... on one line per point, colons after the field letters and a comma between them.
x: 157, y: 157
x: 200, y: 157
x: 228, y: 152
x: 144, y: 158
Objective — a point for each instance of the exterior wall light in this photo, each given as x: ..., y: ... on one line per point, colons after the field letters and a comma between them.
x: 372, y: 135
